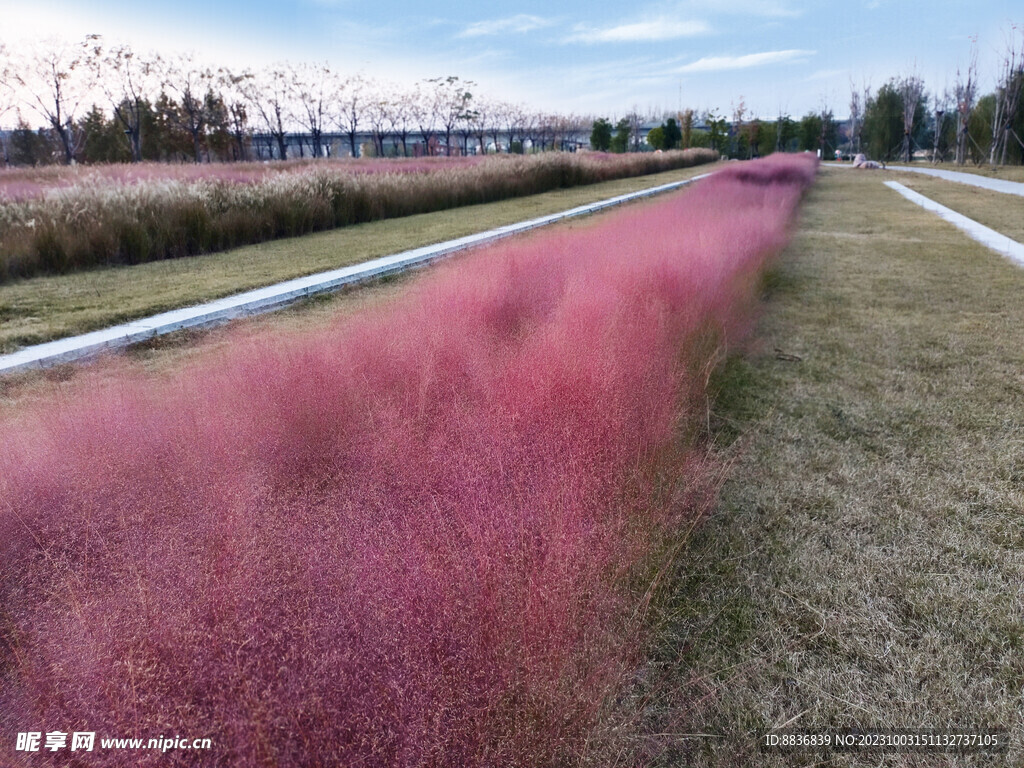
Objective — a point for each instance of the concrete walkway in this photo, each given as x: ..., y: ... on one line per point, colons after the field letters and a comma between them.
x: 973, y: 179
x: 985, y: 182
x: 280, y: 295
x: 996, y: 241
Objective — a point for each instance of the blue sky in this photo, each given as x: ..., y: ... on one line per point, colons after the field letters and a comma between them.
x: 598, y: 57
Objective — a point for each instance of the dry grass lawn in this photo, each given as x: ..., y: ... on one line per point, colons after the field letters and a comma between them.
x: 866, y: 567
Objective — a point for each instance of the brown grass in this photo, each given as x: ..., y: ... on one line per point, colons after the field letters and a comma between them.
x: 866, y: 565
x: 1003, y: 213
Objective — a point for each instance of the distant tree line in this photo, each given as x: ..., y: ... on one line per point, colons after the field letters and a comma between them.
x: 101, y: 103
x: 739, y: 138
x: 901, y: 120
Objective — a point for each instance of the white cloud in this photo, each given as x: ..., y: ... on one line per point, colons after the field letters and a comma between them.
x: 639, y: 31
x: 512, y: 25
x: 724, y: 63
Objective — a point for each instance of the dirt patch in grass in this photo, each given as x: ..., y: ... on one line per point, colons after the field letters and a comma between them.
x: 1003, y: 213
x: 40, y: 309
x: 865, y: 568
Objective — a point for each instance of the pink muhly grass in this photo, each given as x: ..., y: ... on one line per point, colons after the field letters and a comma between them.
x: 416, y: 538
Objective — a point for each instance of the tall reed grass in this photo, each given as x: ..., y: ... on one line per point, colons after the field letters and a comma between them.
x: 424, y: 536
x: 106, y: 218
x: 24, y: 183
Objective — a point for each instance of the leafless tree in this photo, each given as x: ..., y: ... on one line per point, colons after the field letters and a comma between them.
x: 910, y: 89
x: 546, y: 129
x: 965, y: 92
x: 349, y: 107
x: 232, y: 87
x: 480, y: 121
x: 554, y: 130
x: 574, y: 125
x: 1008, y: 92
x: 379, y: 114
x: 424, y: 111
x: 7, y: 99
x: 515, y: 121
x: 453, y: 100
x: 128, y: 80
x: 467, y: 125
x: 311, y: 86
x: 402, y: 105
x: 499, y: 120
x: 941, y: 110
x: 636, y: 122
x: 191, y: 85
x: 559, y: 128
x: 268, y: 94
x: 57, y: 79
x: 6, y: 82
x: 858, y: 100
x: 533, y: 128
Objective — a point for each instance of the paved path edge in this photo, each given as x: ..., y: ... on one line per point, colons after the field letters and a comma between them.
x: 996, y: 241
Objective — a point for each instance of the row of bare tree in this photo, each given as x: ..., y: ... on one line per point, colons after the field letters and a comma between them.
x: 958, y: 105
x: 58, y: 82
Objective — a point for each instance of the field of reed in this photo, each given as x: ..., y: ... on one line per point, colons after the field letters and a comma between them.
x: 427, y: 535
x: 24, y: 183
x: 66, y: 220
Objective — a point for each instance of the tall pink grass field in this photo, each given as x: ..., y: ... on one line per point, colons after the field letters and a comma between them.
x: 422, y: 536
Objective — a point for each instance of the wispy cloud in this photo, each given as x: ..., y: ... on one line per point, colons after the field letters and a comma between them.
x: 639, y: 31
x: 724, y: 63
x: 520, y: 23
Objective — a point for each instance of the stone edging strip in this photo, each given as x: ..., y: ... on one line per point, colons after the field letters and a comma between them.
x: 277, y: 296
x: 998, y: 242
x: 972, y: 179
